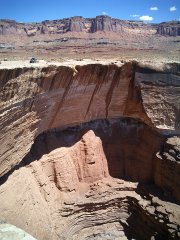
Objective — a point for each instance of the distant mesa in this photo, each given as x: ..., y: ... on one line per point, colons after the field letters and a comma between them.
x: 101, y: 23
x: 169, y: 28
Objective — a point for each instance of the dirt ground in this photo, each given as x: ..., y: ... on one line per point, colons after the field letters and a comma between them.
x: 60, y: 48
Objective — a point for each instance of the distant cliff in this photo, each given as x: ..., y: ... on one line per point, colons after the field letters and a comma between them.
x: 87, y: 25
x: 80, y: 24
x: 169, y: 28
x: 74, y: 24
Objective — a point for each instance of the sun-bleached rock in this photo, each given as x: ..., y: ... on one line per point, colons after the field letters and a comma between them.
x: 8, y: 231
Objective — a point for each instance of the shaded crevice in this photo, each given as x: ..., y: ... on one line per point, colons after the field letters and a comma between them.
x: 143, y: 225
x: 102, y: 76
x: 59, y: 105
x: 146, y: 191
x: 129, y: 146
x: 114, y: 83
x: 9, y: 74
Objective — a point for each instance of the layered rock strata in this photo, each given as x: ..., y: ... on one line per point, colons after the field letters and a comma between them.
x: 73, y: 24
x: 86, y: 25
x: 34, y: 100
x: 71, y: 132
x: 67, y: 193
x: 167, y: 169
x: 169, y: 29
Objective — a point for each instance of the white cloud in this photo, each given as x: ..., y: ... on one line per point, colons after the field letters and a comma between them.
x: 134, y: 15
x: 146, y: 18
x: 154, y: 8
x: 104, y: 13
x: 172, y: 9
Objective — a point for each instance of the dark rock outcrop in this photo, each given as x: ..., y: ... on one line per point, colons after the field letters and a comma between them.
x: 169, y: 29
x: 8, y: 27
x: 167, y: 167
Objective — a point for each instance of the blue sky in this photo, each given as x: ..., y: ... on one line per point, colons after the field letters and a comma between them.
x: 39, y: 10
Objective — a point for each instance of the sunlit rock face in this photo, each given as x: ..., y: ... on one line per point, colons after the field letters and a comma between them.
x: 34, y: 100
x: 79, y: 24
x: 75, y: 24
x: 171, y: 29
x: 91, y: 151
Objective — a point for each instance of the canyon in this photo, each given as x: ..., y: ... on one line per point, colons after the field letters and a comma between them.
x: 90, y: 149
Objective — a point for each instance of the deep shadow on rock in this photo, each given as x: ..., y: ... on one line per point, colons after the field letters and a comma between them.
x: 64, y: 182
x: 126, y: 143
x: 130, y: 147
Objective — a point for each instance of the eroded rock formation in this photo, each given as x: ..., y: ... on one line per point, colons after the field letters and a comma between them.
x: 73, y: 24
x: 169, y: 29
x: 87, y: 152
x: 86, y: 25
x: 167, y: 167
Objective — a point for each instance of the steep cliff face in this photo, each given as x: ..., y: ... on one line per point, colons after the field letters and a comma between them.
x: 7, y: 27
x: 167, y: 169
x: 169, y: 29
x: 105, y: 23
x: 74, y: 24
x: 71, y: 131
x: 50, y: 97
x: 86, y: 25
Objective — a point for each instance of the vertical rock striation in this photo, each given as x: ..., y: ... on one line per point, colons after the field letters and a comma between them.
x: 87, y: 152
x: 78, y: 24
x: 34, y: 100
x: 169, y: 29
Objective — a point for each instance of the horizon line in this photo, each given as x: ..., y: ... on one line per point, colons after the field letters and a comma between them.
x: 102, y: 15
